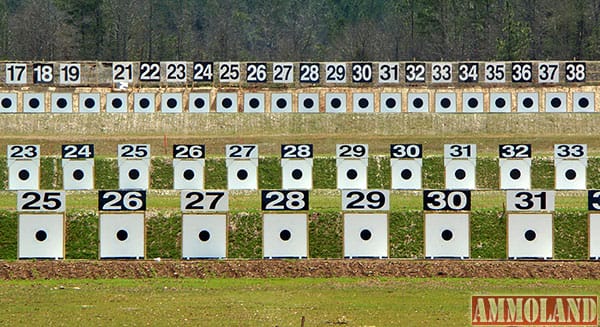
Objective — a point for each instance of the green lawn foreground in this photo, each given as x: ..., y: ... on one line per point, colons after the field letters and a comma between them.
x: 262, y: 302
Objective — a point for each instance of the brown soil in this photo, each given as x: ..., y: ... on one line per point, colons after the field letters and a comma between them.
x: 16, y: 270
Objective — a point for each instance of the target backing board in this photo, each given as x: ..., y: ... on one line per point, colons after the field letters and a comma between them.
x: 78, y: 166
x: 527, y: 102
x: 529, y: 235
x: 254, y: 102
x: 594, y: 224
x: 34, y: 102
x: 285, y: 235
x: 363, y: 102
x: 199, y: 102
x: 447, y: 235
x: 144, y: 102
x: 500, y: 102
x: 445, y: 102
x: 89, y: 102
x: 227, y: 102
x: 61, y: 102
x: 242, y: 166
x: 390, y: 102
x: 472, y: 102
x: 352, y: 161
x: 122, y: 235
x: 515, y: 166
x: 308, y: 102
x: 8, y: 103
x: 134, y: 166
x: 335, y: 102
x: 23, y: 167
x: 556, y: 102
x: 583, y: 102
x: 296, y: 166
x: 188, y: 166
x: 570, y: 166
x: 204, y: 236
x: 460, y: 162
x: 406, y: 162
x: 116, y: 102
x: 41, y: 236
x: 365, y: 235
x: 281, y: 102
x: 171, y: 103
x: 418, y: 102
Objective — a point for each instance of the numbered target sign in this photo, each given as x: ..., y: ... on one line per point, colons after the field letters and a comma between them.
x: 23, y: 166
x: 241, y: 151
x: 70, y: 74
x: 133, y: 151
x: 296, y: 151
x: 242, y: 166
x: 594, y: 200
x: 362, y: 72
x: 468, y: 72
x: 188, y: 151
x: 284, y: 200
x: 256, y: 72
x: 548, y: 72
x: 352, y: 162
x: 495, y: 72
x: 296, y: 166
x: 514, y: 151
x: 78, y: 166
x: 41, y: 201
x: 43, y: 73
x: 406, y: 161
x: 16, y: 73
x: 570, y: 163
x: 441, y: 72
x: 188, y: 166
x: 122, y: 72
x: 283, y: 72
x: 309, y: 72
x: 530, y: 200
x: 134, y: 166
x: 446, y: 200
x: 121, y: 200
x: 203, y: 71
x: 77, y: 151
x: 204, y: 201
x: 365, y: 200
x: 414, y: 72
x: 594, y: 224
x: 229, y: 72
x: 175, y: 71
x: 515, y: 166
x: 149, y: 72
x: 23, y: 152
x: 570, y: 151
x: 522, y: 72
x: 406, y: 151
x: 389, y: 72
x: 575, y: 72
x: 335, y: 72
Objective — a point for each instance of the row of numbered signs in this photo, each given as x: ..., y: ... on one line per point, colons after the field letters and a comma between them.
x: 182, y: 72
x: 285, y: 223
x: 352, y: 161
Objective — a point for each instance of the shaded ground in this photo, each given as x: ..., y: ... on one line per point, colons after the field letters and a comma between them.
x: 16, y: 270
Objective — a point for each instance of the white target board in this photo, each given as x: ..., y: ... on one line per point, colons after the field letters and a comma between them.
x: 500, y: 102
x: 583, y: 102
x: 570, y: 166
x: 122, y: 229
x: 242, y: 166
x: 418, y: 102
x: 460, y: 162
x: 529, y: 235
x: 61, y: 102
x: 134, y: 166
x: 116, y: 102
x: 447, y: 235
x: 188, y: 166
x: 296, y: 166
x: 78, y: 166
x: 352, y: 161
x: 34, y: 102
x: 89, y: 102
x: 527, y: 102
x: 285, y: 235
x: 171, y: 103
x: 8, y: 103
x: 406, y: 161
x: 308, y: 102
x: 390, y: 102
x: 594, y: 224
x: 335, y: 102
x: 472, y: 102
x: 144, y: 102
x: 199, y: 102
x: 445, y: 102
x: 363, y: 102
x: 23, y: 167
x: 204, y: 224
x: 281, y: 102
x: 556, y: 102
x: 515, y: 166
x: 227, y: 102
x: 254, y: 102
x: 365, y: 235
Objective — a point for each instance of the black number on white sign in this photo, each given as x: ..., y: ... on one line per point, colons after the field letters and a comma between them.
x: 16, y: 73
x: 283, y: 72
x: 365, y: 200
x: 204, y: 201
x: 335, y: 73
x: 389, y: 72
x: 527, y: 200
x: 40, y: 201
x: 70, y: 74
x: 548, y: 72
x: 441, y: 72
x: 570, y: 150
x: 122, y: 71
x: 176, y: 71
x: 460, y: 150
x: 494, y: 72
x: 150, y: 71
x: 23, y: 151
x: 229, y: 72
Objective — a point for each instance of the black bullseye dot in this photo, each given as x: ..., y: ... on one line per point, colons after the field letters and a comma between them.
x: 204, y: 236
x: 297, y: 174
x: 363, y: 103
x: 583, y: 102
x: 89, y: 103
x: 122, y: 235
x: 78, y: 174
x: 61, y: 103
x: 199, y: 103
x: 391, y: 103
x: 242, y: 174
x: 6, y: 103
x: 281, y: 103
x: 365, y: 234
x: 445, y: 103
x: 447, y: 235
x: 41, y: 235
x: 500, y: 102
x: 460, y: 174
x: 24, y: 174
x: 515, y: 174
x: 171, y: 103
x: 254, y: 103
x: 555, y: 102
x: 144, y: 103
x: 418, y: 103
x: 285, y: 235
x: 530, y: 235
x: 528, y: 102
x: 570, y: 174
x: 472, y: 103
x: 351, y: 174
x: 336, y: 103
x: 308, y: 103
x: 227, y: 103
x: 34, y: 103
x: 134, y: 174
x: 188, y: 174
x: 406, y: 174
x: 116, y: 103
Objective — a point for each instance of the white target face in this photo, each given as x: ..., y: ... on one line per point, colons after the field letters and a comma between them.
x: 594, y: 236
x: 406, y: 174
x: 122, y: 236
x: 308, y: 102
x: 199, y: 102
x: 515, y: 174
x: 583, y: 102
x: 529, y: 235
x: 78, y: 174
x: 134, y: 174
x: 41, y: 236
x: 34, y: 102
x: 335, y: 102
x: 447, y: 235
x: 351, y: 174
x: 204, y: 236
x: 281, y: 102
x: 116, y: 102
x: 390, y: 102
x: 62, y: 102
x: 188, y: 174
x: 445, y: 102
x: 171, y: 103
x: 527, y: 102
x: 296, y: 174
x: 227, y: 102
x: 8, y: 102
x: 285, y: 235
x: 363, y: 102
x: 242, y: 175
x: 254, y: 102
x: 418, y: 102
x: 472, y: 102
x: 144, y: 102
x: 24, y: 175
x: 366, y: 235
x: 500, y: 102
x: 89, y: 102
x: 556, y: 102
x: 460, y: 174
x: 570, y: 175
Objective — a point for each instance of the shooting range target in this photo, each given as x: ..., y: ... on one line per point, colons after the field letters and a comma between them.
x: 62, y: 102
x: 447, y: 235
x: 556, y: 102
x: 365, y: 235
x: 308, y: 102
x: 23, y: 167
x: 34, y: 102
x: 144, y: 102
x: 583, y: 102
x: 515, y: 174
x: 134, y: 174
x: 406, y: 174
x: 335, y: 102
x: 594, y: 236
x: 390, y: 102
x: 199, y: 102
x: 171, y: 103
x: 445, y: 102
x: 122, y: 236
x: 296, y: 174
x: 500, y: 102
x: 242, y: 166
x: 8, y: 102
x: 570, y: 166
x: 363, y: 102
x: 352, y: 162
x: 254, y: 102
x: 204, y: 236
x: 529, y: 235
x: 460, y: 162
x: 78, y: 174
x: 281, y: 102
x: 285, y: 235
x: 418, y: 102
x: 472, y: 102
x: 227, y: 102
x: 41, y: 236
x: 527, y: 102
x: 116, y: 102
x: 188, y: 174
x: 89, y: 102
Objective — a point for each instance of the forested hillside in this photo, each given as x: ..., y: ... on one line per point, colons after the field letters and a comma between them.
x: 298, y: 30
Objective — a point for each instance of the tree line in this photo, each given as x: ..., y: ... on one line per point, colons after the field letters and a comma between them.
x: 298, y: 30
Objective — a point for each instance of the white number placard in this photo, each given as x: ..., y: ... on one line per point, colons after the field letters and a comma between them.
x: 203, y: 71
x: 406, y: 151
x: 256, y: 72
x: 43, y: 73
x: 516, y: 151
x: 149, y: 72
x: 138, y: 151
x: 15, y: 73
x: 460, y: 151
x: 389, y: 72
x: 188, y: 151
x: 468, y: 72
x: 121, y: 200
x: 284, y: 200
x: 446, y: 200
x: 241, y: 151
x: 351, y: 151
x: 495, y: 72
x: 205, y: 201
x: 365, y: 200
x: 570, y: 151
x: 309, y: 72
x: 229, y: 72
x: 521, y: 72
x: 575, y: 72
x: 122, y: 72
x: 77, y: 151
x: 530, y: 200
x: 26, y: 151
x: 441, y: 72
x: 296, y: 151
x: 283, y: 72
x: 548, y: 72
x: 414, y: 72
x: 40, y: 200
x: 362, y: 72
x: 335, y: 72
x: 175, y: 71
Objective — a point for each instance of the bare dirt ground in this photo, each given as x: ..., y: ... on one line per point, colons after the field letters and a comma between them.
x: 84, y: 269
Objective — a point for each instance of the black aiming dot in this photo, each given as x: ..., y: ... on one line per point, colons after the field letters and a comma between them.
x: 530, y: 235
x: 297, y: 174
x: 204, y: 236
x: 144, y: 103
x: 391, y: 103
x: 134, y: 174
x: 34, y: 103
x: 447, y: 235
x: 199, y: 102
x: 351, y: 174
x: 363, y: 103
x: 460, y: 174
x: 555, y: 102
x: 336, y: 103
x: 24, y: 174
x: 89, y: 103
x: 570, y: 174
x: 188, y: 174
x: 6, y: 103
x: 472, y: 103
x: 254, y: 103
x: 78, y: 174
x: 41, y: 235
x: 418, y: 103
x: 61, y: 103
x: 406, y: 174
x: 122, y: 235
x: 242, y: 174
x: 445, y: 103
x: 515, y: 174
x: 171, y: 103
x: 117, y: 103
x: 285, y: 235
x: 583, y: 102
x: 281, y: 103
x: 365, y: 234
x: 227, y: 103
x: 500, y: 102
x: 528, y: 102
x: 308, y: 103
